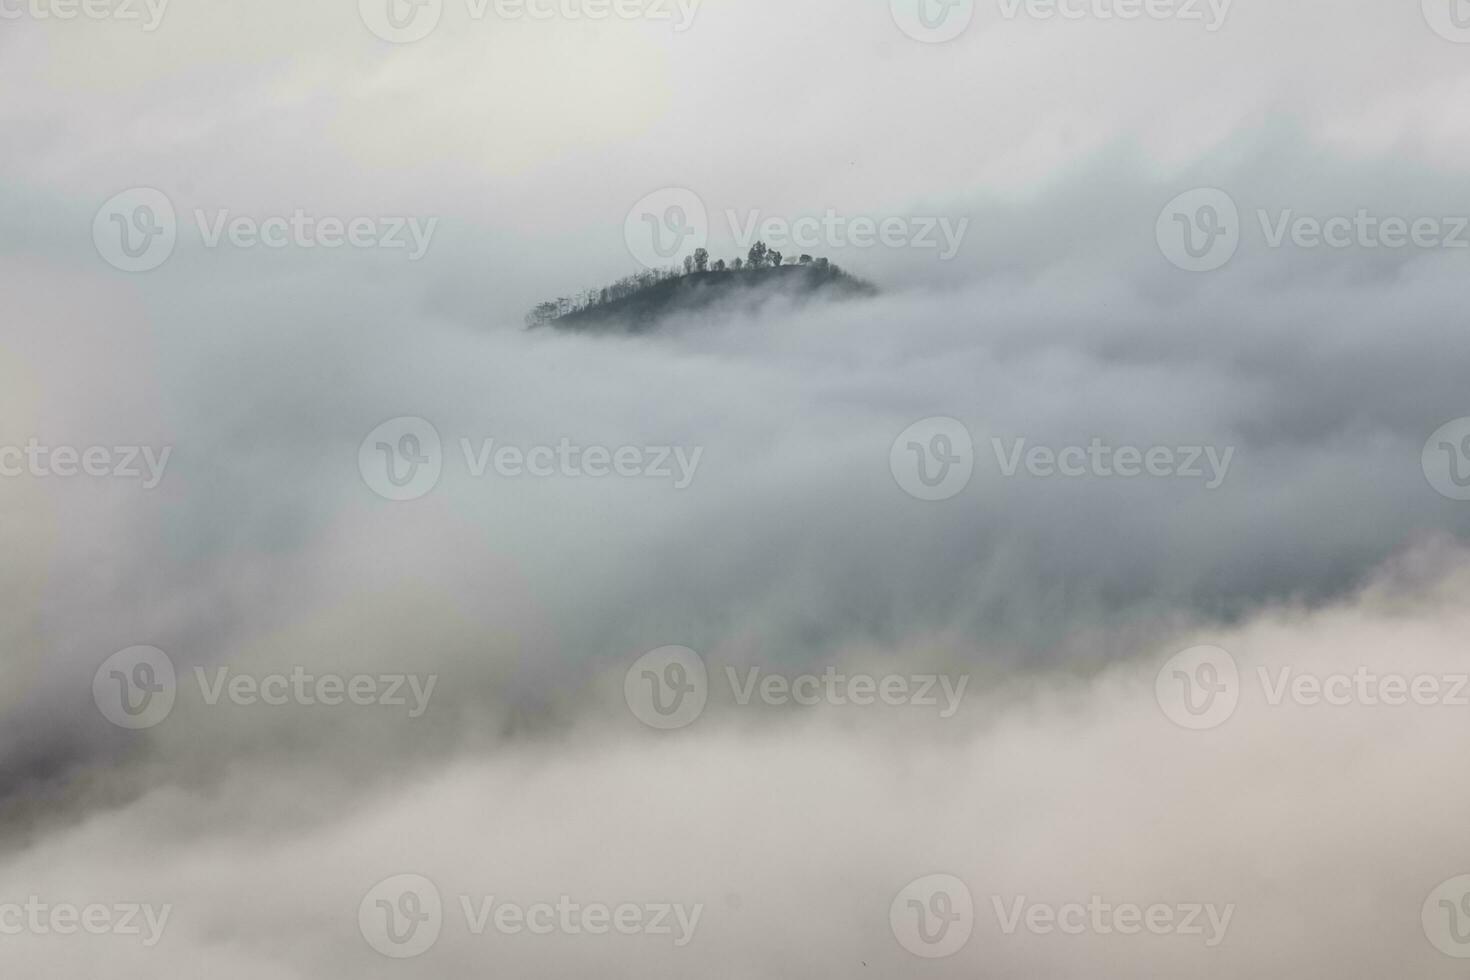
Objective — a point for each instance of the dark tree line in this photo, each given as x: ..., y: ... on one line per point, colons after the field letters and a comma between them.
x: 759, y: 257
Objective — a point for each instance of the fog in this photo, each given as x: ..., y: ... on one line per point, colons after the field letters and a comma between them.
x: 888, y: 688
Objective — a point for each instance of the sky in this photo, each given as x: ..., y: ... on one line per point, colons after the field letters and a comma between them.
x: 1088, y: 602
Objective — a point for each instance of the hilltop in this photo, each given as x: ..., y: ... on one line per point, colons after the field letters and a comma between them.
x: 637, y: 303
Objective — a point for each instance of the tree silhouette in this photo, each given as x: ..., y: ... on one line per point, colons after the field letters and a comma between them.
x: 760, y: 257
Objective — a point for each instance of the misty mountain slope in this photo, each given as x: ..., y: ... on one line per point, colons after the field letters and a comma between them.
x: 729, y: 291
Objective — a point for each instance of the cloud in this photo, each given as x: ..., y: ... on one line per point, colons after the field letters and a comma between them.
x: 1059, y: 325
x: 1323, y: 828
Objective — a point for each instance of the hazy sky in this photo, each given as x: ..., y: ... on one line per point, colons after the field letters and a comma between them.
x: 239, y: 524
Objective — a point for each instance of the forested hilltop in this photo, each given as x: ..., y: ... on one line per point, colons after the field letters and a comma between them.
x: 638, y: 301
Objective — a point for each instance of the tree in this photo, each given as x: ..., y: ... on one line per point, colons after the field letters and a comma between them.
x: 543, y: 313
x: 806, y: 260
x: 775, y: 259
x: 758, y: 254
x: 688, y: 264
x: 739, y: 264
x: 701, y: 259
x: 719, y: 265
